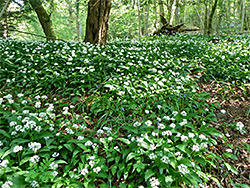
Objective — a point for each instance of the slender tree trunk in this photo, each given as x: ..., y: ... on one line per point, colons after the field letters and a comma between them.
x: 97, y: 24
x: 210, y: 20
x: 172, y: 11
x: 155, y: 11
x: 228, y: 8
x: 147, y: 18
x: 205, y: 19
x: 77, y: 20
x: 242, y: 15
x: 139, y: 18
x: 133, y: 4
x: 3, y: 18
x: 200, y: 18
x: 44, y: 19
x: 4, y: 8
x: 161, y: 7
x: 177, y: 12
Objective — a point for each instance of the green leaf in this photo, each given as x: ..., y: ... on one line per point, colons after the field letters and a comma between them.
x: 130, y: 156
x: 216, y: 181
x: 113, y: 169
x: 169, y: 180
x: 149, y: 173
x: 26, y: 159
x: 232, y: 168
x: 131, y: 129
x: 102, y: 175
x: 61, y: 162
x: 3, y: 132
x: 6, y: 153
x: 123, y: 185
x: 230, y: 155
x: 200, y: 160
x: 69, y: 147
x: 125, y: 140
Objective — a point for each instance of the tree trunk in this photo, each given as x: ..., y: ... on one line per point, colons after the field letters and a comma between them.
x: 3, y: 18
x: 97, y: 24
x: 155, y: 11
x: 4, y: 8
x: 44, y: 19
x: 139, y: 18
x: 172, y: 11
x: 200, y: 18
x: 242, y: 15
x: 161, y: 7
x: 177, y: 12
x: 205, y: 19
x: 77, y: 20
x: 210, y: 20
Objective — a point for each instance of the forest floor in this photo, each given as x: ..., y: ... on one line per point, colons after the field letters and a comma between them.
x: 236, y: 106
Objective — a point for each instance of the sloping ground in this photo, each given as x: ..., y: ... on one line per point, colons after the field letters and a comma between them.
x: 126, y: 115
x: 234, y: 107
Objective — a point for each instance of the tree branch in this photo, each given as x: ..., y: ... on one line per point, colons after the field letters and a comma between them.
x: 4, y: 8
x: 33, y: 34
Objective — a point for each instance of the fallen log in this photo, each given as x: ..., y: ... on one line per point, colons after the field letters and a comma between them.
x: 168, y: 29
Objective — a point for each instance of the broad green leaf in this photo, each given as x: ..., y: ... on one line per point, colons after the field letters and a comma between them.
x: 232, y: 168
x: 230, y: 155
x: 3, y: 132
x: 69, y: 147
x: 149, y: 173
x: 125, y: 140
x: 130, y: 156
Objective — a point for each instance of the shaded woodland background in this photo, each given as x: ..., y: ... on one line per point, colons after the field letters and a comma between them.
x: 128, y: 18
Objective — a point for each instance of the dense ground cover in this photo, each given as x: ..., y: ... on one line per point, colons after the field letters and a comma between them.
x: 131, y: 114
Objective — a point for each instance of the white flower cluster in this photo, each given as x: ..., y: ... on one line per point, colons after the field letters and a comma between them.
x: 4, y: 163
x: 35, y: 159
x: 183, y: 169
x: 84, y: 171
x: 17, y: 149
x: 65, y: 110
x: 34, y: 184
x: 165, y: 160
x: 240, y: 126
x: 7, y: 184
x: 154, y: 182
x: 148, y: 123
x: 9, y: 99
x: 53, y: 166
x: 34, y: 146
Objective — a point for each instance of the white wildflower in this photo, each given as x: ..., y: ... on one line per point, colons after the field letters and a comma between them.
x: 183, y: 169
x: 17, y: 149
x: 97, y: 169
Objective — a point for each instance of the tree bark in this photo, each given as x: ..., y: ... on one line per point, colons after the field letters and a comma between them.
x: 4, y: 8
x: 242, y: 15
x: 205, y: 19
x: 161, y: 7
x: 97, y: 24
x: 44, y: 19
x: 77, y: 20
x: 172, y: 11
x: 155, y: 11
x: 210, y: 20
x: 139, y: 18
x: 3, y: 18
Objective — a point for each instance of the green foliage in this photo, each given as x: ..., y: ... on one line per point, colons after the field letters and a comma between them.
x: 128, y: 114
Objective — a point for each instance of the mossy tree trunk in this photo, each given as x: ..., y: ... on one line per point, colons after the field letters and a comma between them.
x: 97, y: 24
x: 44, y: 19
